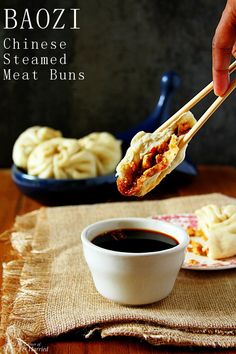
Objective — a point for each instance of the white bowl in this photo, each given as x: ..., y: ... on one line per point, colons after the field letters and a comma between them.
x: 134, y: 278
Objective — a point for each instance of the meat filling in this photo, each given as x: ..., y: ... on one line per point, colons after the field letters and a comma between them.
x: 152, y: 162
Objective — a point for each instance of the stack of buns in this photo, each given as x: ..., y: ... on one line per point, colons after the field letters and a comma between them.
x: 45, y: 153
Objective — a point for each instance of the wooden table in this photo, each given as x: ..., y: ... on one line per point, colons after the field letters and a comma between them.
x: 210, y: 179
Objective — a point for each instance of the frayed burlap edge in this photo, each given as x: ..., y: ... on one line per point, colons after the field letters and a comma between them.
x: 19, y: 285
x: 157, y: 335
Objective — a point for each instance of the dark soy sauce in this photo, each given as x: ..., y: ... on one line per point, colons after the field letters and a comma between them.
x: 134, y: 241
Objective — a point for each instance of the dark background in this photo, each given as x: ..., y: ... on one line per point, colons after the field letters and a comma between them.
x: 123, y: 46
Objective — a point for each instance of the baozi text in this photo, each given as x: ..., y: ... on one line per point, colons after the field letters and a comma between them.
x: 43, y: 19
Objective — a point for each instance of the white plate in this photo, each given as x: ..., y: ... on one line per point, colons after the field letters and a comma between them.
x: 204, y: 263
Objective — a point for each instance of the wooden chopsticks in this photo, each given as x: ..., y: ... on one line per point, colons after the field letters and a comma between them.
x: 204, y: 118
x: 203, y: 93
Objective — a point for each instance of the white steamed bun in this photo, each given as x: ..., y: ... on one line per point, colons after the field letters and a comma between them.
x: 28, y: 140
x: 106, y: 149
x: 61, y: 158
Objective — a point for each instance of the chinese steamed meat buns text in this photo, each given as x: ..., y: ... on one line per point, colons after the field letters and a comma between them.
x: 43, y: 152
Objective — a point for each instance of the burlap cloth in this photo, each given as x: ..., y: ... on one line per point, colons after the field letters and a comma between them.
x: 48, y: 290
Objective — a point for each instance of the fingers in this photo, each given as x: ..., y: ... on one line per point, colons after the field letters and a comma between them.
x: 222, y: 47
x: 234, y: 50
x: 220, y: 72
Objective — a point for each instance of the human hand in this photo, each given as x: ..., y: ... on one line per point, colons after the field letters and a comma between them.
x: 223, y: 47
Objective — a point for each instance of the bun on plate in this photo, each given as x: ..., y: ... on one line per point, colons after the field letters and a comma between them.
x: 219, y: 225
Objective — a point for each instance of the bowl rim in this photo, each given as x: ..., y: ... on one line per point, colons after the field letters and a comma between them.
x: 161, y: 223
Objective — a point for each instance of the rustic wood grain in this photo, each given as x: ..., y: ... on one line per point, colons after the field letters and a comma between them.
x: 220, y: 179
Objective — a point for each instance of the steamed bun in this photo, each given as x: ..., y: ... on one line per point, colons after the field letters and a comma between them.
x: 106, y: 149
x: 28, y: 140
x: 61, y: 158
x: 219, y: 225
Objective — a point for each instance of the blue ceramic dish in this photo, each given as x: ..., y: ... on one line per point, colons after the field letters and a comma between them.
x: 63, y: 191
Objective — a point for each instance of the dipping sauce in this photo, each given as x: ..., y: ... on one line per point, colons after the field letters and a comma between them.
x: 134, y: 241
